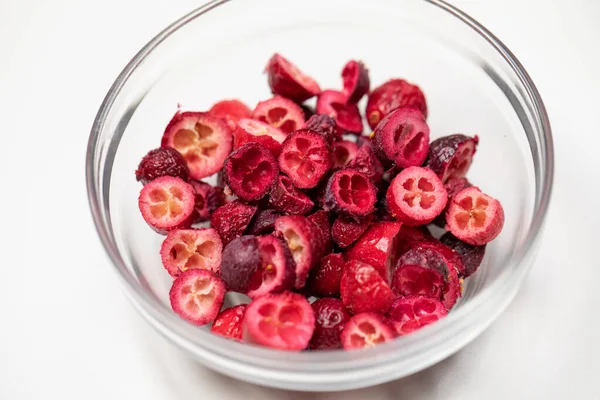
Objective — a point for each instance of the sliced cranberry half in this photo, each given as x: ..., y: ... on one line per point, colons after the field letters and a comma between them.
x: 344, y: 152
x: 411, y: 313
x: 305, y: 158
x: 280, y: 113
x: 346, y: 231
x: 229, y: 323
x: 197, y: 296
x: 451, y: 156
x: 250, y: 130
x: 276, y: 272
x: 363, y: 289
x: 285, y: 79
x: 350, y: 193
x: 325, y: 279
x: 346, y: 115
x: 288, y: 199
x: 367, y: 330
x: 231, y: 220
x: 394, y: 94
x: 231, y: 111
x: 356, y: 81
x: 203, y: 139
x: 416, y: 196
x: 474, y: 217
x: 326, y: 126
x: 167, y: 203
x: 185, y: 249
x: 282, y: 321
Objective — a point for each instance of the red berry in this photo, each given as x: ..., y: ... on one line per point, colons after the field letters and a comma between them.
x: 185, y: 249
x: 344, y: 152
x: 197, y: 296
x: 163, y: 161
x: 167, y: 203
x: 325, y: 278
x: 303, y: 239
x: 263, y: 222
x: 330, y: 318
x: 207, y: 200
x: 250, y: 130
x: 347, y: 116
x: 286, y: 80
x: 276, y: 272
x: 402, y: 137
x: 203, y: 139
x: 471, y: 256
x: 231, y: 220
x: 366, y: 330
x: 288, y: 199
x: 321, y: 219
x: 346, y: 231
x: 451, y: 156
x: 416, y: 196
x: 324, y: 125
x: 356, y: 81
x: 239, y: 262
x: 280, y: 113
x: 366, y: 162
x: 414, y: 312
x: 350, y: 193
x: 363, y: 289
x: 305, y: 158
x: 393, y: 94
x: 250, y: 171
x: 231, y: 111
x: 375, y: 246
x: 282, y: 321
x: 474, y: 217
x: 229, y: 322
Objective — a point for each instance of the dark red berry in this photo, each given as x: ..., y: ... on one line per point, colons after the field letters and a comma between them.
x: 321, y: 219
x: 276, y: 271
x: 324, y: 125
x: 229, y: 323
x: 366, y: 162
x: 285, y: 79
x: 394, y: 94
x: 350, y: 193
x: 280, y: 113
x: 325, y: 279
x: 263, y: 222
x: 305, y: 158
x: 409, y: 314
x: 451, y: 156
x: 330, y: 318
x: 356, y: 81
x: 288, y: 199
x: 346, y: 231
x: 231, y: 220
x: 347, y: 116
x: 471, y: 256
x: 344, y: 152
x: 364, y: 290
x: 240, y: 261
x: 231, y: 111
x: 163, y: 161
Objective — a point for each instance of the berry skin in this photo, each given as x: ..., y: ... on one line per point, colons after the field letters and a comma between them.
x: 250, y: 171
x: 203, y: 139
x: 185, y: 249
x: 276, y: 272
x: 326, y: 126
x: 321, y: 219
x: 305, y: 158
x: 474, y: 217
x: 231, y: 220
x: 282, y: 321
x: 364, y: 290
x: 346, y: 231
x: 286, y: 80
x: 350, y: 193
x: 346, y: 115
x: 288, y: 199
x: 240, y: 261
x: 207, y: 200
x: 280, y: 113
x: 411, y: 313
x: 325, y: 279
x: 416, y: 196
x: 366, y: 330
x: 197, y: 296
x: 163, y: 161
x: 366, y: 162
x: 451, y: 156
x: 356, y: 81
x: 263, y: 222
x: 471, y: 256
x: 344, y: 152
x: 231, y: 111
x: 393, y: 94
x: 167, y: 203
x: 250, y: 130
x: 330, y: 318
x: 229, y: 322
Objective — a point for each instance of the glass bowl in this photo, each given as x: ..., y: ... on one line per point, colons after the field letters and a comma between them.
x: 473, y: 85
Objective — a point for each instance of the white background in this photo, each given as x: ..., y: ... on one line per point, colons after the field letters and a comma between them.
x: 66, y: 329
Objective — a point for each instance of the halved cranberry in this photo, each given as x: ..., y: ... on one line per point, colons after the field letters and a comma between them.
x: 363, y: 289
x: 229, y: 323
x: 366, y: 162
x: 409, y: 314
x: 330, y: 318
x: 356, y: 81
x: 344, y: 152
x: 203, y: 139
x: 305, y: 158
x: 286, y: 80
x: 197, y: 296
x: 367, y: 330
x: 231, y: 111
x: 276, y: 272
x: 325, y: 279
x: 231, y: 220
x: 280, y: 113
x: 250, y: 130
x: 350, y: 193
x: 402, y: 137
x: 321, y: 219
x: 163, y: 161
x: 346, y: 231
x: 326, y: 126
x: 451, y: 156
x: 394, y: 94
x: 347, y: 116
x: 288, y: 199
x: 416, y: 196
x: 185, y: 249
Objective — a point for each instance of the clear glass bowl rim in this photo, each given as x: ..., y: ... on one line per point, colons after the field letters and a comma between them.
x: 207, y: 345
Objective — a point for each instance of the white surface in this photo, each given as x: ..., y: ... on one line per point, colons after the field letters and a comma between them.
x: 68, y: 332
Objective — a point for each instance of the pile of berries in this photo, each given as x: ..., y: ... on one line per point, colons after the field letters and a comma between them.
x: 307, y: 207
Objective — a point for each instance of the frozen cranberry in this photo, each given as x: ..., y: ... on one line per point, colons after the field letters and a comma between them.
x: 344, y: 152
x: 321, y: 219
x: 167, y: 203
x: 276, y: 271
x: 305, y: 158
x: 346, y: 231
x: 250, y: 130
x: 285, y: 79
x: 326, y: 126
x: 350, y: 193
x: 288, y: 199
x: 282, y: 321
x: 231, y: 220
x: 163, y: 161
x: 185, y: 249
x: 239, y: 262
x: 197, y: 296
x: 414, y: 312
x: 250, y: 171
x: 451, y: 156
x: 393, y: 94
x: 231, y: 111
x: 363, y: 289
x: 207, y: 200
x: 263, y: 222
x: 280, y: 113
x: 471, y: 256
x: 347, y: 116
x: 474, y: 217
x: 325, y: 279
x: 330, y: 318
x: 229, y: 323
x: 365, y: 161
x: 366, y: 330
x: 402, y: 137
x: 416, y: 196
x: 203, y: 139
x: 356, y: 81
